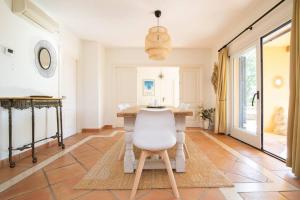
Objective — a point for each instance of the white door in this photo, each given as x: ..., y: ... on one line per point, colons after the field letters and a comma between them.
x: 246, y: 96
x: 170, y: 86
x: 68, y: 90
x: 190, y: 91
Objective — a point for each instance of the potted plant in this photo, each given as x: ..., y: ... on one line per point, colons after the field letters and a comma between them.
x: 207, y: 116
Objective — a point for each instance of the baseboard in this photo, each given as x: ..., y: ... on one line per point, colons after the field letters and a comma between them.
x: 90, y: 130
x: 95, y: 130
x: 107, y: 127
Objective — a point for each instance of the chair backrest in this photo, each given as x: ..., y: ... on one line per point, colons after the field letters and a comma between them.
x: 184, y: 106
x: 153, y: 122
x: 123, y: 106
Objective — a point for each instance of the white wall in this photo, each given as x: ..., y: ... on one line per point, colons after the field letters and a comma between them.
x: 19, y: 77
x: 70, y: 46
x: 91, y: 85
x: 135, y: 57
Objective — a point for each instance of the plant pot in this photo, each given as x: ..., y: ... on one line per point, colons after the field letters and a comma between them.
x: 211, y: 126
x: 206, y: 124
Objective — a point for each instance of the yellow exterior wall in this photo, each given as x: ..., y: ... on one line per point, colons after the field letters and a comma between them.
x: 276, y: 63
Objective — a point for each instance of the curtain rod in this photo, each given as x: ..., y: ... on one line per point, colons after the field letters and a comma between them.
x: 251, y: 25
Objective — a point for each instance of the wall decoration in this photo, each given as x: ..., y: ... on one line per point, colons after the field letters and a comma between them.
x: 161, y: 75
x: 148, y: 87
x: 214, y: 77
x: 45, y: 58
x: 278, y: 82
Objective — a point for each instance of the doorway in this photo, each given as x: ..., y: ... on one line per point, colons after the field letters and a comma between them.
x: 69, y: 91
x: 260, y: 92
x: 158, y: 85
x: 275, y: 86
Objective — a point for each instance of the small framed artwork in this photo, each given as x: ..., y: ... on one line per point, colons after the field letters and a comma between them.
x: 148, y: 87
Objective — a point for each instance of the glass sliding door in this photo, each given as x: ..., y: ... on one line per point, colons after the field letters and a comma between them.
x: 246, y: 115
x: 260, y: 92
x: 275, y: 87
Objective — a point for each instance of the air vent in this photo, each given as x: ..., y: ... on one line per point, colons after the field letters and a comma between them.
x: 28, y: 10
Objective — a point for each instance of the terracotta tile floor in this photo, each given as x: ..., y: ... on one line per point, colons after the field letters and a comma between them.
x: 56, y: 180
x: 276, y: 144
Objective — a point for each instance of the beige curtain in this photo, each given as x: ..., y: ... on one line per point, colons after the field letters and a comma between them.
x: 293, y: 144
x: 220, y: 118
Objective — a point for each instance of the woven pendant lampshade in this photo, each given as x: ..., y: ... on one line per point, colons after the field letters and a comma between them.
x: 158, y: 41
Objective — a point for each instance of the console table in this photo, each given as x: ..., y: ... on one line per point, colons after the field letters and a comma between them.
x: 21, y: 103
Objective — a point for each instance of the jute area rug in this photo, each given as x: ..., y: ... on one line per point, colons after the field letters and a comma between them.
x: 108, y: 173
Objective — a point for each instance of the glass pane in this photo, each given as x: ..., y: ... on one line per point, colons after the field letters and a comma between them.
x: 276, y: 62
x: 245, y: 89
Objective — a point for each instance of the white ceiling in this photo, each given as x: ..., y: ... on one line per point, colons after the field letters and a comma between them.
x: 124, y: 23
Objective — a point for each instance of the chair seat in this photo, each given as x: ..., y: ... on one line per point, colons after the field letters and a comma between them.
x: 154, y: 142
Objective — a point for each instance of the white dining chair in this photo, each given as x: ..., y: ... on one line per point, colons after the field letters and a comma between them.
x: 121, y: 107
x: 180, y: 106
x: 154, y: 133
x: 185, y: 106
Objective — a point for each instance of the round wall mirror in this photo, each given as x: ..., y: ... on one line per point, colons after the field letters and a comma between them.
x: 44, y: 58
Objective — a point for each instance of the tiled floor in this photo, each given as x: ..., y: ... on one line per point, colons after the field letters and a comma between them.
x: 275, y: 144
x: 56, y: 180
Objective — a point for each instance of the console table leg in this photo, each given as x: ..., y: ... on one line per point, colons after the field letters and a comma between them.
x: 34, y: 159
x: 61, y: 126
x: 12, y: 164
x: 57, y: 125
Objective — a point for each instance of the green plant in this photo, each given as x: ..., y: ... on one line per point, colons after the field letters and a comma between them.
x: 206, y: 114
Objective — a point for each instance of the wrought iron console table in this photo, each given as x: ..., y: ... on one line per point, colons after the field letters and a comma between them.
x: 21, y: 103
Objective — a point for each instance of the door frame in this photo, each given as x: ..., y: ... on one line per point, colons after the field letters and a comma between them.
x: 262, y: 89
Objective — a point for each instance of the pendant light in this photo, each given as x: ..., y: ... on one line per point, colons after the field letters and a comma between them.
x: 158, y: 41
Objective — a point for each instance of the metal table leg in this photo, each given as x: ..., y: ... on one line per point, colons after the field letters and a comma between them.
x: 34, y: 159
x: 12, y: 164
x: 61, y: 126
x: 57, y: 125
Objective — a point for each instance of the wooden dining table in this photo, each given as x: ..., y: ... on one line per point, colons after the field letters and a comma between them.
x: 130, y: 162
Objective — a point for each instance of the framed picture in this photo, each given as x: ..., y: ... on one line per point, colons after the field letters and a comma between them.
x: 148, y: 87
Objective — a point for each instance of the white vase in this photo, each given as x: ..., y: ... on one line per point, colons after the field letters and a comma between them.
x: 206, y: 124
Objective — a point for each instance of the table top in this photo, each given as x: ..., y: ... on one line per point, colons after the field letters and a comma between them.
x: 30, y: 98
x: 132, y: 111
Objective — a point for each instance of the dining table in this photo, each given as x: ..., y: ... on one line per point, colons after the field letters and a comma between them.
x: 130, y: 161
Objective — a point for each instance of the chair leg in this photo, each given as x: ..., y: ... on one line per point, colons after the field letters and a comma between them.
x: 186, y: 151
x: 121, y: 154
x: 139, y: 170
x: 166, y: 159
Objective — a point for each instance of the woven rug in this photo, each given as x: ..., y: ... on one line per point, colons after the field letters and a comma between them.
x: 108, y: 173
